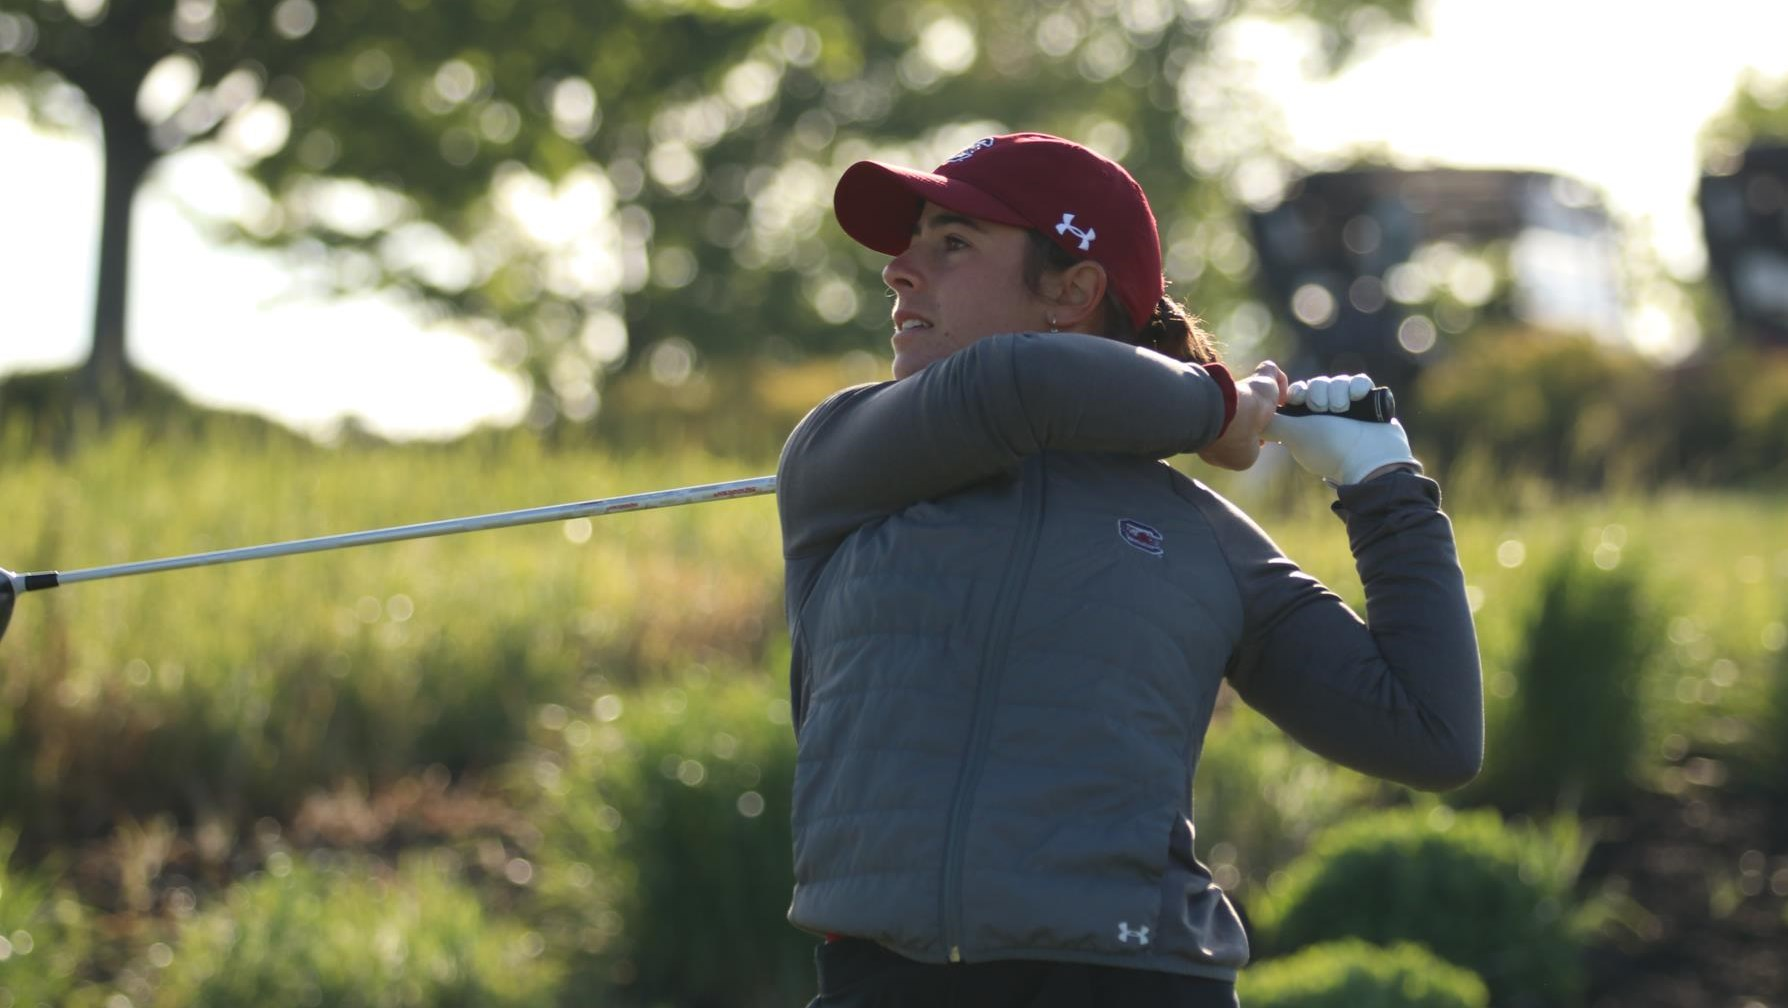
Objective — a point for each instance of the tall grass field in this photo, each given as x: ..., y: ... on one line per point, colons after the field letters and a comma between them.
x: 548, y: 765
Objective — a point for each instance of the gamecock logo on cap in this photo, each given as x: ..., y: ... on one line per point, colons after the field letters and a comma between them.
x: 971, y: 150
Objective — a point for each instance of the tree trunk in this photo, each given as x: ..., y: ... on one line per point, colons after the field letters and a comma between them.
x: 107, y: 381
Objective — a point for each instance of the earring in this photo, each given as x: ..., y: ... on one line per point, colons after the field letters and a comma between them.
x: 1052, y: 325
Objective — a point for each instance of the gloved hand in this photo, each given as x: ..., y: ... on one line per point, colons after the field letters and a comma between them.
x: 1339, y: 450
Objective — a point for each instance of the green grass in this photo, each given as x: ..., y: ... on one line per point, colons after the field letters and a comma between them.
x: 44, y: 936
x: 243, y: 687
x: 222, y: 698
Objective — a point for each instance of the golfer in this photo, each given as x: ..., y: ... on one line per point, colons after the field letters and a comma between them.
x: 1010, y: 619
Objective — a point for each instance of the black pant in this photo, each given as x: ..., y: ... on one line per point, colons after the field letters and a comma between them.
x: 861, y: 974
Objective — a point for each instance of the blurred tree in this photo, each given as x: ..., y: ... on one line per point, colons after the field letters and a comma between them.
x: 654, y: 174
x: 1757, y: 111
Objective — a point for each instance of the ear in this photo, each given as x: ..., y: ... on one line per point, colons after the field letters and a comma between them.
x: 1078, y: 294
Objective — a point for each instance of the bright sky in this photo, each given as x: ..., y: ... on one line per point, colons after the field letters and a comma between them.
x: 1612, y: 92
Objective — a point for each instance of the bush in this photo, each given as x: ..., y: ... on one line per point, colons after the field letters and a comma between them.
x: 1481, y: 895
x: 1586, y: 415
x: 1564, y: 407
x: 353, y: 936
x: 1769, y: 758
x: 1259, y: 798
x: 1356, y: 974
x: 667, y: 850
x: 1573, y: 733
x: 43, y: 939
x: 1732, y: 417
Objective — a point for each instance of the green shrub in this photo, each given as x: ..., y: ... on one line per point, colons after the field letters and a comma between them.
x: 1259, y: 798
x: 1575, y: 411
x: 1769, y: 757
x: 1481, y: 895
x: 353, y: 936
x: 44, y: 939
x: 1584, y: 414
x: 1572, y: 735
x: 1731, y: 409
x: 1357, y: 974
x: 667, y: 850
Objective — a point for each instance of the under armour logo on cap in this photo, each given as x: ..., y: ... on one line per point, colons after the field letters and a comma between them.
x: 1125, y: 933
x: 970, y: 151
x: 1086, y: 237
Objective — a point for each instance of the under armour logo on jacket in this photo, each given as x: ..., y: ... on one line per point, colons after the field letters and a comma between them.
x: 1141, y: 536
x: 1067, y: 227
x: 1141, y: 934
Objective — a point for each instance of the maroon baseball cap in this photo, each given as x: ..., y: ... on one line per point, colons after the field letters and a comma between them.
x: 1084, y: 202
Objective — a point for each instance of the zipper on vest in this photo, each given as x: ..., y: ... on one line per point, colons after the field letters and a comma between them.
x: 993, y: 660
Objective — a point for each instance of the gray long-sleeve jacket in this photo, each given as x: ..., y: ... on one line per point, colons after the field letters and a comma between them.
x: 1010, y: 621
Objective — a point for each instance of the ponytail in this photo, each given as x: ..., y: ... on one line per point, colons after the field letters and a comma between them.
x: 1174, y: 332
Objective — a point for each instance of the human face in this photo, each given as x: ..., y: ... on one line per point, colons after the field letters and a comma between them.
x: 961, y: 280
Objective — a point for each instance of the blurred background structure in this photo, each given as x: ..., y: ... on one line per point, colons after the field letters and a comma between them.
x: 270, y: 270
x: 1373, y: 268
x: 1745, y: 211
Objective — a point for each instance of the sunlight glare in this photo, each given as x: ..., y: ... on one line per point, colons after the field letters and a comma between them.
x: 424, y: 250
x: 168, y: 85
x: 195, y: 21
x: 1416, y: 334
x: 1361, y: 234
x: 455, y: 81
x: 1366, y: 294
x: 347, y: 205
x: 372, y: 69
x: 750, y: 84
x: 1058, y: 33
x: 604, y: 337
x: 294, y: 19
x: 675, y: 167
x: 948, y: 43
x: 835, y: 300
x: 1511, y: 553
x: 258, y: 131
x: 18, y: 34
x: 1314, y: 306
x: 574, y: 109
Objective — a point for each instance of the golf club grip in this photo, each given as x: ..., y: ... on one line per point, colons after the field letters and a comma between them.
x: 1377, y: 406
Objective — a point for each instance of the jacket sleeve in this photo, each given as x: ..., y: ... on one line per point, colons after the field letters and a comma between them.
x: 1398, y: 695
x: 871, y: 450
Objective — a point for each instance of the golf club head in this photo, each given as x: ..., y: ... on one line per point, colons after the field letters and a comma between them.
x: 7, y: 597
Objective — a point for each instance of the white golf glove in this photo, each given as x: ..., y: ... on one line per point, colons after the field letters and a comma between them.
x: 1339, y: 450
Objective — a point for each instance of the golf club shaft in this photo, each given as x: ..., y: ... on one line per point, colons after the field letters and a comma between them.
x: 1379, y: 406
x: 754, y: 487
